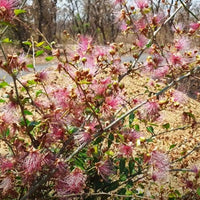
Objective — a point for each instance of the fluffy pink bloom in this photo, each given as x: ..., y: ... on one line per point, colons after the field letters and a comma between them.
x: 61, y: 97
x: 84, y: 44
x: 42, y: 76
x: 179, y: 97
x: 111, y: 103
x: 83, y: 137
x: 195, y: 169
x: 133, y: 135
x: 125, y: 150
x: 123, y: 26
x: 160, y: 165
x: 119, y: 2
x: 141, y: 24
x: 178, y: 28
x: 141, y: 41
x: 182, y: 44
x: 150, y: 111
x: 6, y: 185
x: 141, y: 4
x: 176, y: 59
x: 74, y: 182
x: 6, y: 9
x: 105, y: 169
x: 5, y: 164
x: 195, y: 26
x: 160, y: 72
x: 32, y: 163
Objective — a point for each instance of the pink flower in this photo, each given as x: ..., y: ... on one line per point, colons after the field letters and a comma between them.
x: 83, y: 137
x: 61, y: 97
x: 182, y: 44
x: 133, y: 135
x: 74, y: 182
x: 194, y: 26
x: 123, y: 26
x: 195, y: 169
x: 141, y: 4
x: 105, y: 169
x: 176, y: 59
x: 160, y: 164
x: 5, y: 164
x: 150, y: 111
x: 6, y: 9
x: 84, y: 44
x: 141, y: 41
x: 125, y: 150
x: 178, y: 28
x: 6, y: 185
x: 42, y: 76
x: 32, y: 163
x: 141, y: 24
x: 179, y: 97
x: 119, y: 2
x: 160, y: 72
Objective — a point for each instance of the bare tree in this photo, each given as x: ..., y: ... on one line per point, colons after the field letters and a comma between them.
x: 45, y: 18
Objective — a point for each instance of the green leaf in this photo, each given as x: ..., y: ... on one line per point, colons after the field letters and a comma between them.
x: 122, y: 165
x: 137, y: 127
x: 26, y: 112
x: 7, y: 40
x: 72, y: 129
x: 31, y: 82
x: 79, y: 163
x: 131, y: 118
x: 84, y: 82
x: 40, y: 44
x: 149, y: 140
x: 166, y: 126
x: 98, y: 140
x: 38, y: 53
x: 7, y: 132
x: 47, y: 47
x: 112, y: 186
x: 27, y: 43
x: 131, y: 166
x: 19, y: 11
x: 172, y: 146
x: 49, y: 58
x: 110, y: 139
x: 30, y: 66
x: 2, y: 101
x: 198, y: 191
x: 150, y: 129
x: 149, y: 45
x: 123, y: 177
x: 122, y: 191
x: 3, y: 84
x: 38, y: 92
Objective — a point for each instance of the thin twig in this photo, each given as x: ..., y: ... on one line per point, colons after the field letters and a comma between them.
x: 186, y: 155
x: 188, y: 10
